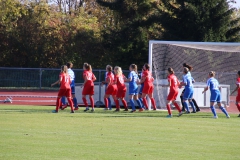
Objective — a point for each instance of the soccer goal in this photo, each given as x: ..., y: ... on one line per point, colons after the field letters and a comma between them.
x: 223, y: 58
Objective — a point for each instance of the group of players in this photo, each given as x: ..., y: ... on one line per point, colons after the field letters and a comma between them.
x: 115, y: 87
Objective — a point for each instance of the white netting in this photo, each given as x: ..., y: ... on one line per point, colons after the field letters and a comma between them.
x: 223, y: 58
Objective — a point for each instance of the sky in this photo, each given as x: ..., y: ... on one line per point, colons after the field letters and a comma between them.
x: 237, y: 5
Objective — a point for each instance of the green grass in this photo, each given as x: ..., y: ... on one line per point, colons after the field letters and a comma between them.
x: 33, y: 132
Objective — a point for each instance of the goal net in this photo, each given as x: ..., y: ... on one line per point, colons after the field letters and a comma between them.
x: 223, y: 58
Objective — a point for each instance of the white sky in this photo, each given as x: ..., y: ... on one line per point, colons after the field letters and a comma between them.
x: 237, y: 5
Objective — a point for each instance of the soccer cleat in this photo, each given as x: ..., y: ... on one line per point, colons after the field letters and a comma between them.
x: 169, y: 116
x: 63, y: 107
x: 215, y: 117
x: 187, y: 112
x: 117, y: 110
x: 133, y: 111
x: 140, y: 110
x: 125, y: 109
x: 54, y: 111
x: 198, y: 110
x: 72, y: 111
x: 92, y: 110
x: 239, y: 115
x: 86, y: 109
x: 179, y: 114
x: 154, y: 109
x: 76, y: 108
x: 228, y: 116
x: 193, y: 112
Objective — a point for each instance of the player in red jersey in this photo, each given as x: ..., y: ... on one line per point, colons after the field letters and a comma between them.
x: 148, y: 88
x: 121, y: 87
x: 237, y: 89
x: 88, y: 86
x: 111, y: 87
x: 174, y: 85
x: 65, y: 89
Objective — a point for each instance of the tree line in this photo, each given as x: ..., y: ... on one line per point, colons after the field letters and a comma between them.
x: 48, y: 33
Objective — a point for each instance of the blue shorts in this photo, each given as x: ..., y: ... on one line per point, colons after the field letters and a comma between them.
x: 215, y: 96
x: 141, y: 89
x: 133, y: 91
x: 188, y: 94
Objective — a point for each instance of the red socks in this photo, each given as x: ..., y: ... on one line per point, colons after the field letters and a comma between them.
x: 92, y: 102
x: 106, y: 102
x: 117, y: 104
x: 58, y: 103
x: 145, y: 102
x: 85, y: 101
x: 238, y: 106
x: 177, y: 106
x: 153, y: 103
x: 169, y: 109
x: 124, y: 103
x: 71, y: 103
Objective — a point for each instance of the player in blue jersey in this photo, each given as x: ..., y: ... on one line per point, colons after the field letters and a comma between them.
x: 72, y: 85
x: 140, y: 90
x: 133, y: 87
x: 188, y: 93
x: 213, y: 85
x: 181, y: 97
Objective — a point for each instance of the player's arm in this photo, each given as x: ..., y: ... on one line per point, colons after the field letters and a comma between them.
x: 142, y: 79
x: 53, y: 84
x: 85, y: 80
x: 94, y: 78
x: 129, y: 77
x: 205, y: 89
x: 235, y: 89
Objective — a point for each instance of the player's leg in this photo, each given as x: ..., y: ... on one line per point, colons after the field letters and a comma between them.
x: 58, y: 101
x: 132, y: 102
x: 237, y: 103
x: 124, y: 102
x: 116, y: 102
x: 135, y: 97
x: 85, y: 102
x: 74, y: 98
x: 181, y: 97
x: 140, y: 96
x: 174, y: 101
x: 109, y: 100
x: 185, y: 98
x: 64, y: 104
x: 213, y: 99
x: 92, y: 102
x: 169, y: 109
x: 196, y: 105
x: 151, y: 98
x: 69, y: 98
x: 106, y: 96
x: 219, y: 104
x: 191, y: 102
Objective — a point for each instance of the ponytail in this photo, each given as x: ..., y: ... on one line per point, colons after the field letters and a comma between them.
x: 147, y: 66
x: 188, y: 66
x: 134, y: 67
x: 170, y: 70
x: 87, y: 66
x: 212, y: 73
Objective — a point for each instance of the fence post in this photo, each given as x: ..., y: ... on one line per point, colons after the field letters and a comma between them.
x: 40, y: 78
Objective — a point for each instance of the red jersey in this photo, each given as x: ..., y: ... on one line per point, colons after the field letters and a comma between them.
x: 149, y: 79
x: 238, y: 83
x: 119, y: 80
x: 110, y: 78
x: 172, y: 79
x: 89, y: 76
x: 65, y: 81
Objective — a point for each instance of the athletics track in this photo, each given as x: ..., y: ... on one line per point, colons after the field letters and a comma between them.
x: 48, y: 98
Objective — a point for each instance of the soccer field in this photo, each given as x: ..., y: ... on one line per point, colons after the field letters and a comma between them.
x: 33, y: 132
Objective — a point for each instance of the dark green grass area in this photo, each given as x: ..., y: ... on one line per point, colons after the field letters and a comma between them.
x: 33, y: 132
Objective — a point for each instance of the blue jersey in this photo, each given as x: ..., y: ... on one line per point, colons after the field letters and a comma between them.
x: 188, y: 80
x: 213, y: 84
x: 133, y: 83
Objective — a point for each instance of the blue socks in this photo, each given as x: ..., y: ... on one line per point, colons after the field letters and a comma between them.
x: 213, y: 111
x: 63, y: 99
x: 109, y: 103
x: 132, y: 104
x: 224, y: 111
x: 193, y: 107
x: 186, y: 106
x: 139, y: 103
x: 141, y: 100
x: 75, y: 102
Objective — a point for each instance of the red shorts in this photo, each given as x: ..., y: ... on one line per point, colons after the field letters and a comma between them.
x: 238, y: 97
x: 111, y: 90
x: 88, y: 90
x: 172, y: 95
x: 121, y: 93
x: 147, y: 89
x: 64, y: 93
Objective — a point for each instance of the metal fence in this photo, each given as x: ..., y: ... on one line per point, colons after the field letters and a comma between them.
x: 42, y: 78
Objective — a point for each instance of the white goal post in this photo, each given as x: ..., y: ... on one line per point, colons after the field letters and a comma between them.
x: 209, y: 56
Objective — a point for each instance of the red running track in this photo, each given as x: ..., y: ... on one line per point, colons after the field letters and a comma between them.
x: 48, y: 98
